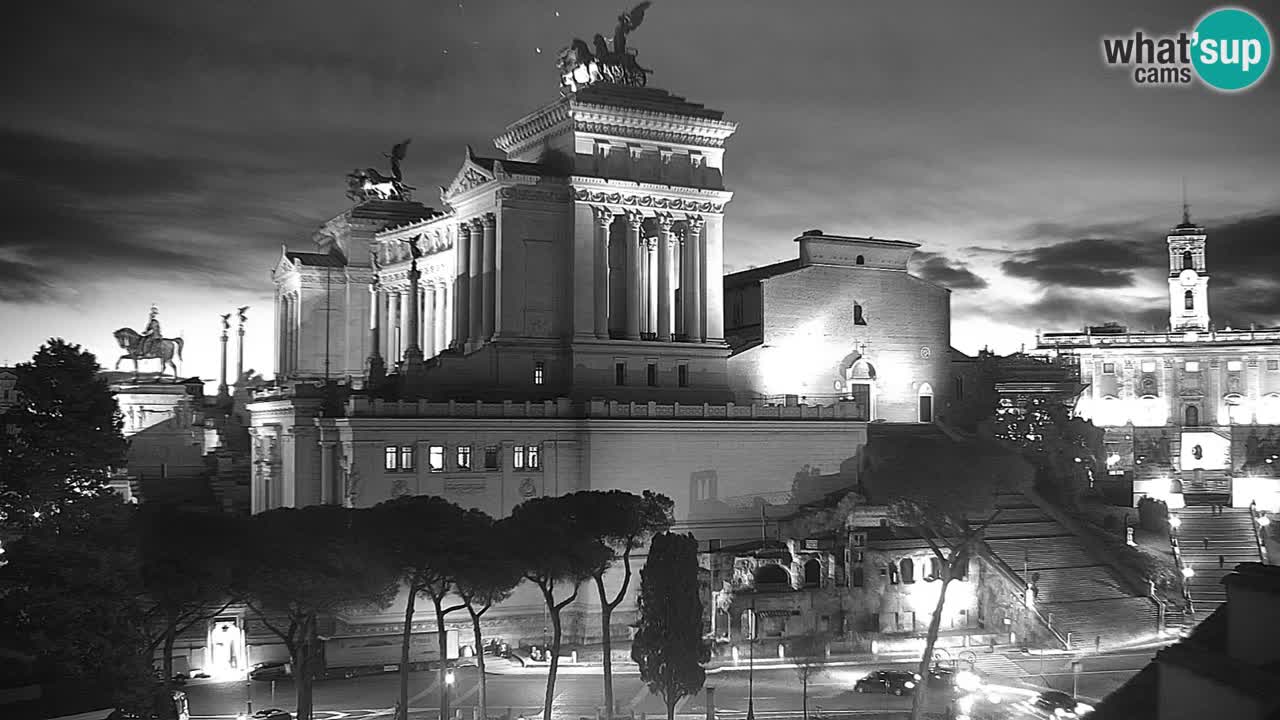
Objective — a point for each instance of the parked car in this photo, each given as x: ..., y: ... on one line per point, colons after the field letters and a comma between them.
x: 894, y: 682
x: 272, y: 714
x: 276, y: 670
x: 1058, y: 706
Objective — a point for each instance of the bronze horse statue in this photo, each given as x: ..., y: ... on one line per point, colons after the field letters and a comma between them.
x: 162, y: 349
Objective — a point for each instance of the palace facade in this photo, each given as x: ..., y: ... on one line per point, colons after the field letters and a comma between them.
x: 1192, y: 415
x: 563, y: 322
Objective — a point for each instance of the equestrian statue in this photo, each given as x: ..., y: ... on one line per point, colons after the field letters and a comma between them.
x: 369, y: 184
x: 149, y: 345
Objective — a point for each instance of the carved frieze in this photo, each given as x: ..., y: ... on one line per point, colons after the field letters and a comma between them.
x: 648, y: 201
x: 519, y: 192
x: 648, y: 133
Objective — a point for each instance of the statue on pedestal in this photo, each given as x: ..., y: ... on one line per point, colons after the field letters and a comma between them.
x: 369, y: 184
x: 580, y: 67
x: 149, y: 345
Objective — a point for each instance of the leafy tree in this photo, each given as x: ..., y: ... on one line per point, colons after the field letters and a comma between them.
x: 668, y: 644
x: 73, y: 599
x: 311, y: 563
x: 487, y: 575
x: 554, y: 546
x: 65, y: 435
x: 185, y: 587
x: 945, y: 491
x: 1060, y: 447
x: 621, y: 522
x: 808, y: 651
x: 425, y: 536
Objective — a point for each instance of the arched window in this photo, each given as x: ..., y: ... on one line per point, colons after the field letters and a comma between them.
x: 813, y: 573
x: 908, y: 570
x: 1188, y: 261
x: 772, y: 575
x: 859, y: 577
x: 860, y: 261
x: 925, y: 395
x: 1191, y: 416
x: 1188, y: 300
x: 858, y: 319
x: 1237, y: 413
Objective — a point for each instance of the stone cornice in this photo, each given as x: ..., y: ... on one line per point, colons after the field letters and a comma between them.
x: 649, y: 196
x: 534, y: 125
x: 651, y: 125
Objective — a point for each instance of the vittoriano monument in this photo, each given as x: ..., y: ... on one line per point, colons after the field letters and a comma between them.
x: 369, y: 184
x: 580, y: 66
x: 149, y: 345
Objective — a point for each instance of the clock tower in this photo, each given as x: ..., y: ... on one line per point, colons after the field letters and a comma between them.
x: 1188, y: 277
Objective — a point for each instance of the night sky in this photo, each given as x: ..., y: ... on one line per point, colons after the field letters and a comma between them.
x: 162, y: 151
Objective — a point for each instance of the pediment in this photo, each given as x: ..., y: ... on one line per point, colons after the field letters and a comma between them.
x: 284, y: 264
x: 470, y: 176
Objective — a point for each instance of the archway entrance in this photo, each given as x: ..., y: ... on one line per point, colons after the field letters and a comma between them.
x: 925, y: 400
x: 225, y: 651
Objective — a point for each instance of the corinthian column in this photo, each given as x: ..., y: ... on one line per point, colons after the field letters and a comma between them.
x: 412, y: 351
x: 490, y: 277
x: 377, y: 369
x: 603, y: 219
x: 476, y: 280
x: 462, y: 287
x: 699, y: 275
x: 430, y: 317
x: 635, y: 291
x: 666, y: 298
x: 691, y: 287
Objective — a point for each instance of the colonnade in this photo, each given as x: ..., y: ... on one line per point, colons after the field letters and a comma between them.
x: 655, y: 267
x: 389, y: 319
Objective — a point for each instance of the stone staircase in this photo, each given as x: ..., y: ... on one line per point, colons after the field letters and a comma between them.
x: 1229, y: 535
x: 1206, y: 487
x: 1080, y: 595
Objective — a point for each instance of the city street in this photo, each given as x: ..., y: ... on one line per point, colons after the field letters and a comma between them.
x: 776, y: 690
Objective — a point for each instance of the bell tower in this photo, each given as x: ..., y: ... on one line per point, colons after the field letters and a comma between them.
x: 1188, y: 276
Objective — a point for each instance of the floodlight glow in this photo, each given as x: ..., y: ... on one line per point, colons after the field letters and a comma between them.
x: 1188, y: 572
x: 1263, y: 520
x: 965, y: 704
x: 968, y: 681
x: 1175, y: 522
x: 448, y: 677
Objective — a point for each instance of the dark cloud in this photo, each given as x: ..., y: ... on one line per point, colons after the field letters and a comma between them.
x: 947, y: 273
x: 1243, y: 258
x: 1087, y: 262
x: 25, y: 284
x: 1060, y: 310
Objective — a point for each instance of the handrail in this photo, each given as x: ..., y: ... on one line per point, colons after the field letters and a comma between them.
x: 1176, y: 546
x: 1023, y: 586
x: 1254, y: 515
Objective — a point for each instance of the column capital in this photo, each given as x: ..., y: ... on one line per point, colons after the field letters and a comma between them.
x: 477, y: 225
x: 603, y: 216
x: 666, y: 222
x: 634, y: 219
x: 695, y: 222
x: 489, y: 220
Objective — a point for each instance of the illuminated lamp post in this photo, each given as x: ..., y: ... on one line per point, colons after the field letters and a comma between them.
x: 751, y: 665
x: 448, y: 688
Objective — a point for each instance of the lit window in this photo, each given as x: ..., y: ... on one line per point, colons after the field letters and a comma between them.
x: 391, y: 458
x: 682, y: 375
x: 406, y: 457
x: 464, y: 457
x: 491, y: 458
x: 517, y: 457
x: 1234, y: 366
x: 435, y: 458
x: 651, y: 373
x: 1188, y: 300
x: 533, y: 457
x: 1148, y: 366
x: 539, y: 372
x: 1108, y: 368
x: 1192, y: 366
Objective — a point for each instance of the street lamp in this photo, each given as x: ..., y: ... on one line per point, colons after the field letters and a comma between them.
x: 1263, y: 521
x: 1188, y: 572
x: 751, y: 665
x: 1175, y: 522
x: 448, y: 688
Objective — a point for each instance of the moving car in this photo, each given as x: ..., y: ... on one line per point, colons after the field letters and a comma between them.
x: 272, y: 714
x: 894, y: 682
x: 270, y: 671
x: 1058, y: 706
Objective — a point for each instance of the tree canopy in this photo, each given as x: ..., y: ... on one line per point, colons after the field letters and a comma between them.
x: 668, y: 645
x: 64, y: 435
